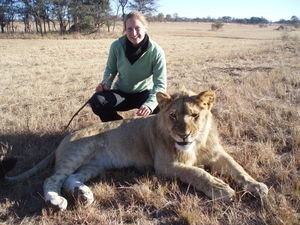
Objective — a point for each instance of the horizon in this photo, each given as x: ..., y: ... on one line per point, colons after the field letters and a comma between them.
x: 272, y: 10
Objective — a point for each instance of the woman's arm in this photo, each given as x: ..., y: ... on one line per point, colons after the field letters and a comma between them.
x: 111, y: 69
x: 159, y: 78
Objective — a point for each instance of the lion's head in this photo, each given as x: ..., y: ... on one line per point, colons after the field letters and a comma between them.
x: 186, y: 117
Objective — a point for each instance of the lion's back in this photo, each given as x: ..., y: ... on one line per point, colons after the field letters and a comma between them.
x: 123, y: 142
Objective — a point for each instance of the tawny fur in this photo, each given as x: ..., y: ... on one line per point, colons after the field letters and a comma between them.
x: 177, y: 142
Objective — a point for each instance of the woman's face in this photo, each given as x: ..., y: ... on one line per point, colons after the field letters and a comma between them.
x: 135, y: 31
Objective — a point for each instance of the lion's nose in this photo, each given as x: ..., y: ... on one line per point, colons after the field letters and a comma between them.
x: 184, y: 135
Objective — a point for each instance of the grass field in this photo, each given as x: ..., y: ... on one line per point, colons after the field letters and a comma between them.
x: 256, y: 74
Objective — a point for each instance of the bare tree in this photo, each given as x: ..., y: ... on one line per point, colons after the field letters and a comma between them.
x: 61, y: 10
x: 3, y: 15
x: 8, y: 11
x: 85, y: 15
x: 76, y: 12
x: 26, y: 14
x: 101, y: 13
x: 160, y: 17
x: 123, y: 4
x: 144, y: 6
x: 38, y: 12
x: 115, y: 17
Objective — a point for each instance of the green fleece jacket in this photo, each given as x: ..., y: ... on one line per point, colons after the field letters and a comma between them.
x: 147, y: 73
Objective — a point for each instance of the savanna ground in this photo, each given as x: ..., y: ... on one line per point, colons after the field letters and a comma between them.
x: 256, y: 74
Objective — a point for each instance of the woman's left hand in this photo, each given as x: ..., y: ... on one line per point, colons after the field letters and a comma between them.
x: 143, y: 111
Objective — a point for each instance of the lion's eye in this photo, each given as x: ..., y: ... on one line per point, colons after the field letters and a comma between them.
x: 195, y: 115
x: 172, y: 116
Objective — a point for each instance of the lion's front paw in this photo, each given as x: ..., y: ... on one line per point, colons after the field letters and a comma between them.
x: 219, y: 190
x: 57, y: 203
x: 258, y: 189
x: 84, y: 195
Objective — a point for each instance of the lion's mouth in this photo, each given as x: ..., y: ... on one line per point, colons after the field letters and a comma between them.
x: 184, y: 143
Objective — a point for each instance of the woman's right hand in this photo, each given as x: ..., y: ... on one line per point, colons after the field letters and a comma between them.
x: 101, y: 87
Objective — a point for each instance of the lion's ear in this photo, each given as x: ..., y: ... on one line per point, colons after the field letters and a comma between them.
x: 163, y: 98
x: 206, y: 99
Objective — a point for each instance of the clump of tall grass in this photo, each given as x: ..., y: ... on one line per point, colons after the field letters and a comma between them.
x: 217, y: 26
x: 290, y: 37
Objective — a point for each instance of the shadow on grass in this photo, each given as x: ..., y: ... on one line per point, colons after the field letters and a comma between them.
x: 24, y: 198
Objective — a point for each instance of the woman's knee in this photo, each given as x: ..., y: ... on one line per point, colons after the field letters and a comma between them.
x: 96, y: 104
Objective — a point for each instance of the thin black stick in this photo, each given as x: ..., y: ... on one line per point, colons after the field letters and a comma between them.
x: 66, y: 127
x: 103, y: 83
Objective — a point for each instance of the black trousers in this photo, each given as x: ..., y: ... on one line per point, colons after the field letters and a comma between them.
x: 106, y: 104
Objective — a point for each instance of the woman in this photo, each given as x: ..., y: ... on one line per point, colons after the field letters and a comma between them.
x: 137, y: 66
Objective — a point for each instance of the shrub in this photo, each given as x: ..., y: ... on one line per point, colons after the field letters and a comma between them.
x: 287, y: 37
x: 263, y: 25
x: 217, y: 26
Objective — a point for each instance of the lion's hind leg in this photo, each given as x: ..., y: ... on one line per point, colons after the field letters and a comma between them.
x: 74, y: 184
x: 52, y: 191
x: 53, y: 184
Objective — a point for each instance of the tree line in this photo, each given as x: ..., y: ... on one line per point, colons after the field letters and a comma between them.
x: 69, y: 15
x: 225, y: 19
x: 63, y: 16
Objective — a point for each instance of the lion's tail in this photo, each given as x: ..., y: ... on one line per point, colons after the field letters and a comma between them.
x: 8, y: 164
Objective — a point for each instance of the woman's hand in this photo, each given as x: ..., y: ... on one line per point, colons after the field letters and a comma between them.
x: 101, y: 87
x: 143, y: 111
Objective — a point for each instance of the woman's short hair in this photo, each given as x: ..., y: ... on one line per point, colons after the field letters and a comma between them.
x: 135, y: 15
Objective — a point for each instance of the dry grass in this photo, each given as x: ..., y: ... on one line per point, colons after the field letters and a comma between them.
x: 256, y: 74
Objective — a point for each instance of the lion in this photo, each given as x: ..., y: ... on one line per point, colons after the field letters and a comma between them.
x: 177, y: 143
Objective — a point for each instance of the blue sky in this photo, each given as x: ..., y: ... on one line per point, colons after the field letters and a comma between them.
x: 273, y: 10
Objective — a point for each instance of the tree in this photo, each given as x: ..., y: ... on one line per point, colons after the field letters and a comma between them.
x: 175, y: 16
x: 116, y: 7
x: 123, y: 4
x: 295, y: 21
x: 100, y: 12
x: 40, y: 10
x: 257, y: 20
x: 25, y: 12
x: 168, y: 17
x: 61, y: 13
x: 226, y: 19
x: 160, y: 17
x: 90, y: 14
x: 144, y: 6
x: 3, y: 15
x: 8, y: 11
x: 76, y: 11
